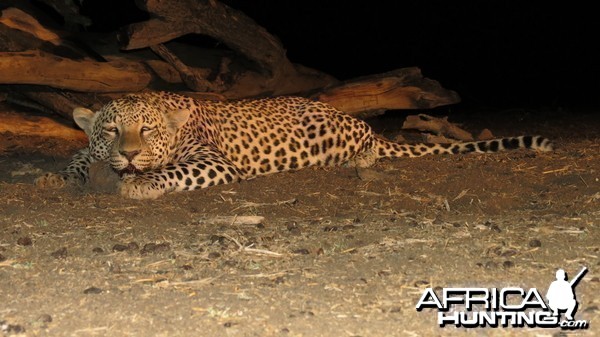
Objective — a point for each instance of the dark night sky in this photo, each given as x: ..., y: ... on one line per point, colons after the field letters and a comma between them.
x: 493, y: 53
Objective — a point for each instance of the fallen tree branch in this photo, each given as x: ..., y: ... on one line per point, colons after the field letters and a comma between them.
x: 439, y: 126
x: 35, y: 67
x: 404, y: 88
x: 171, y: 19
x: 190, y: 76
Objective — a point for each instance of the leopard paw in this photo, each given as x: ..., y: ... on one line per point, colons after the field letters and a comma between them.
x: 136, y: 187
x: 51, y: 180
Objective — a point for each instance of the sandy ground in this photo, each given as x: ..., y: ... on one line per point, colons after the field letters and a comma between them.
x: 339, y: 252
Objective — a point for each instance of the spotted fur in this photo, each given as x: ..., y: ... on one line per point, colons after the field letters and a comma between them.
x: 163, y: 142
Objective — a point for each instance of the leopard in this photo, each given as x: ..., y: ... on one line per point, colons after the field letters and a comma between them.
x: 162, y: 142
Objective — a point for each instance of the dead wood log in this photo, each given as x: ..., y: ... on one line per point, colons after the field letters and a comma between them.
x: 192, y: 77
x: 52, y: 101
x: 17, y: 19
x: 19, y: 124
x: 34, y: 67
x: 19, y: 31
x: 171, y: 19
x: 439, y: 126
x: 404, y: 88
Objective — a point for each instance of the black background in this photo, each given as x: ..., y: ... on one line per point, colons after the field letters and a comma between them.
x: 493, y: 53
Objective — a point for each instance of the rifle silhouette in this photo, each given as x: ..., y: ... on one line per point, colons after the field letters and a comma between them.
x: 578, y: 277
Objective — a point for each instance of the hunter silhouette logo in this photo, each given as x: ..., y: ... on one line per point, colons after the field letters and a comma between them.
x: 561, y: 294
x: 504, y: 307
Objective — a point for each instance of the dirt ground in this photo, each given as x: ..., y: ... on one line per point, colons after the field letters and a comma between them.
x: 340, y: 252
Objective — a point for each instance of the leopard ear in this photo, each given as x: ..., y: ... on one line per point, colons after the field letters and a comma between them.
x: 84, y: 118
x: 177, y: 118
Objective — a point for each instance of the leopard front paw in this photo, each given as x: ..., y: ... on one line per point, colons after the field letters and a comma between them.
x: 137, y: 187
x: 51, y: 180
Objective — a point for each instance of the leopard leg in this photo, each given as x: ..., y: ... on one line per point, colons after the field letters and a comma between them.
x: 76, y: 172
x: 204, y: 168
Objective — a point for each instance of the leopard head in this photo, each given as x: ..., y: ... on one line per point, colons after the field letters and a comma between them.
x: 133, y: 133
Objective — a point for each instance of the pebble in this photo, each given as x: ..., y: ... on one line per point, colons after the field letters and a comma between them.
x: 24, y: 241
x: 490, y: 265
x: 301, y: 251
x: 155, y: 247
x: 59, y: 254
x: 45, y: 318
x: 535, y: 243
x: 97, y: 250
x: 92, y: 290
x: 119, y: 248
x: 508, y: 264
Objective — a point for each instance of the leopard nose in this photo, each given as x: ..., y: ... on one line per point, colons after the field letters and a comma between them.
x: 130, y: 154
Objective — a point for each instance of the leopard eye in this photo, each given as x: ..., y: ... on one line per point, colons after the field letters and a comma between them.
x: 146, y: 128
x: 111, y: 129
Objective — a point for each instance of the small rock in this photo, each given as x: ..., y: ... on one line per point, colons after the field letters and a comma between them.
x: 119, y: 248
x: 24, y: 241
x: 285, y: 330
x: 229, y: 324
x: 508, y: 264
x: 509, y: 252
x: 187, y: 267
x: 214, y: 255
x: 59, y: 254
x: 44, y: 318
x: 155, y: 247
x: 295, y: 231
x: 301, y: 251
x: 92, y: 290
x: 97, y: 250
x: 490, y: 265
x: 293, y: 228
x: 133, y: 246
x: 534, y: 243
x: 485, y: 134
x: 217, y: 238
